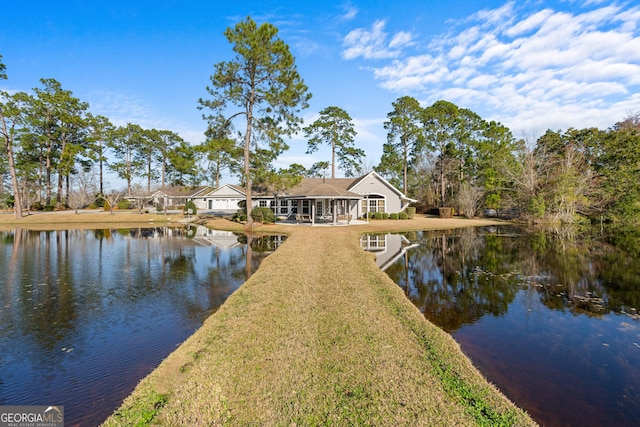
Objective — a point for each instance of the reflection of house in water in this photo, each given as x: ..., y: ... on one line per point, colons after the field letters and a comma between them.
x: 228, y: 239
x: 203, y: 236
x: 222, y: 239
x: 387, y: 247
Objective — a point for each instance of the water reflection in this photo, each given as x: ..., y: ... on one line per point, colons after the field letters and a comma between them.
x: 387, y: 247
x: 548, y: 316
x: 84, y: 314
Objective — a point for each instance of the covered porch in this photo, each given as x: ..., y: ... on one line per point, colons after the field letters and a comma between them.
x: 319, y: 210
x: 323, y: 204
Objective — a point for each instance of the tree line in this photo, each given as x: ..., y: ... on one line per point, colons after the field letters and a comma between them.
x: 442, y: 155
x: 445, y: 155
x: 55, y: 151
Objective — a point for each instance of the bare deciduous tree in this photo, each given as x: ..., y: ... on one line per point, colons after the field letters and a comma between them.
x: 140, y: 197
x: 81, y: 194
x: 469, y: 199
x: 112, y: 197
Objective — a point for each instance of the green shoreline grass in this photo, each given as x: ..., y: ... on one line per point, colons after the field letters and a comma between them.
x: 319, y: 336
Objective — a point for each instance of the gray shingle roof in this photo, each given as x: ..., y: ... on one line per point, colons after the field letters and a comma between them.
x: 182, y: 191
x: 323, y: 188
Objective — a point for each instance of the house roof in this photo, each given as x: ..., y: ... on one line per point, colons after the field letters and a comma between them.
x: 236, y: 190
x: 182, y: 191
x: 323, y: 188
x: 385, y: 182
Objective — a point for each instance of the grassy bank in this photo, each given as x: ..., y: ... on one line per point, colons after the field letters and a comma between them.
x: 319, y: 336
x: 85, y: 219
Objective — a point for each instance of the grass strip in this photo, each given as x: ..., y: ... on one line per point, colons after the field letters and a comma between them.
x: 318, y: 336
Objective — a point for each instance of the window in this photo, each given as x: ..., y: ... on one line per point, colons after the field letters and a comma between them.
x: 375, y: 205
x: 305, y: 207
x: 373, y: 243
x: 263, y: 203
x: 284, y: 207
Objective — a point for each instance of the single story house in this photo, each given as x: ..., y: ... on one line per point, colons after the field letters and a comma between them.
x: 177, y: 196
x: 319, y: 199
x: 223, y: 198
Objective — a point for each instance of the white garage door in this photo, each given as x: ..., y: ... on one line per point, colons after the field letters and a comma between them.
x: 225, y: 204
x: 233, y: 203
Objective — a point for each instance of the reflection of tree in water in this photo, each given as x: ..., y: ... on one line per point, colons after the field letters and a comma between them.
x: 584, y: 273
x: 261, y: 243
x: 227, y: 273
x: 622, y: 282
x: 443, y: 280
x: 47, y: 296
x: 456, y: 277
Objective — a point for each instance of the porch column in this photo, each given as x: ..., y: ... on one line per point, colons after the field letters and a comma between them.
x: 313, y: 211
x: 366, y: 206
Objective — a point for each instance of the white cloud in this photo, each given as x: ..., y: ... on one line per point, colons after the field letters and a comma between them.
x: 497, y: 16
x: 414, y: 73
x: 126, y: 108
x: 350, y: 12
x: 121, y: 108
x: 529, y: 24
x: 285, y: 161
x: 372, y: 43
x: 528, y: 68
x: 368, y: 131
x: 400, y: 39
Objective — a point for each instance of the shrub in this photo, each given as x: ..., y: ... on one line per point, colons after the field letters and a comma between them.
x: 7, y: 201
x: 240, y: 215
x: 377, y: 215
x: 262, y: 214
x: 190, y: 206
x: 106, y: 206
x: 36, y: 206
x: 411, y: 211
x: 123, y: 204
x: 393, y: 216
x: 48, y: 208
x: 403, y: 215
x: 537, y: 206
x: 99, y: 201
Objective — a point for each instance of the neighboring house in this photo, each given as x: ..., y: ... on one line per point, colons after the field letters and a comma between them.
x: 226, y: 197
x: 177, y: 196
x: 321, y: 199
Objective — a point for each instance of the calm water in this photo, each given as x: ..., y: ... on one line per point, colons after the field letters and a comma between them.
x: 85, y: 314
x: 551, y: 318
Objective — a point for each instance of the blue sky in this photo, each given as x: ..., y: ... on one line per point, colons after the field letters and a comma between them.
x: 531, y: 65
